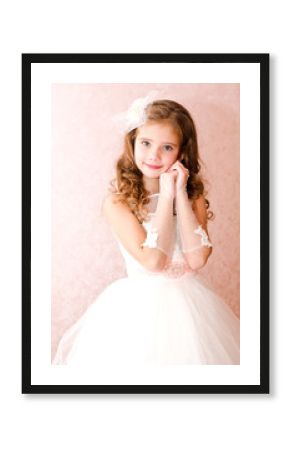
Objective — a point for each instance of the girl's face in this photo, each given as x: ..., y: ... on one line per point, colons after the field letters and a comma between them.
x: 156, y: 148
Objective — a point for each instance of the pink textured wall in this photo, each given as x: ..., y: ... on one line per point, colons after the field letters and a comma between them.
x: 86, y: 144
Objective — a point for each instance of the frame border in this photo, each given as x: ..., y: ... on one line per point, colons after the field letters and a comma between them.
x: 263, y: 59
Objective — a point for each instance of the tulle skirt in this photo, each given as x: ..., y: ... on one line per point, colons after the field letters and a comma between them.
x: 153, y: 320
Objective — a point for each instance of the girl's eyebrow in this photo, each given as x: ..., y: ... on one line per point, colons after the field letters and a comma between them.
x: 147, y: 139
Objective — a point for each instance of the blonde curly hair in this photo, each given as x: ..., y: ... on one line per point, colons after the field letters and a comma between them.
x: 128, y: 183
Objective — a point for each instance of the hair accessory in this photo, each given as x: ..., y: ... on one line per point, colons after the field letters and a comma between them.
x: 136, y: 115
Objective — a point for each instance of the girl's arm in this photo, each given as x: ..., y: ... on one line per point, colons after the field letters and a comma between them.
x: 192, y: 225
x: 132, y: 235
x: 191, y: 222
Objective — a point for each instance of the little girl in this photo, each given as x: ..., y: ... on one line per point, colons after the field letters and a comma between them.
x: 162, y: 313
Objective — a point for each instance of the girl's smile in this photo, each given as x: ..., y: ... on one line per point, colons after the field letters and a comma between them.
x: 153, y: 167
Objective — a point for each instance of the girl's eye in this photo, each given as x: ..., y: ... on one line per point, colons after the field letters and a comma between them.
x: 146, y: 143
x: 168, y: 148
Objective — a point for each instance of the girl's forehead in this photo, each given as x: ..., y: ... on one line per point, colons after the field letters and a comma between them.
x: 158, y: 129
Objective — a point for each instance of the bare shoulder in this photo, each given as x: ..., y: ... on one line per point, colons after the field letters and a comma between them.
x: 200, y: 208
x: 110, y: 200
x: 112, y: 206
x: 199, y: 203
x: 129, y: 232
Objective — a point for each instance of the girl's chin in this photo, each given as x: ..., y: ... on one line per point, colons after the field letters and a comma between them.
x: 151, y: 177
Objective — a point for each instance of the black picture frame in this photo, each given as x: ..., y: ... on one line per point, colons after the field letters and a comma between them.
x: 262, y: 60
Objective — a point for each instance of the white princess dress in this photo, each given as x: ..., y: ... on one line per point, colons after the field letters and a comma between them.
x: 169, y: 317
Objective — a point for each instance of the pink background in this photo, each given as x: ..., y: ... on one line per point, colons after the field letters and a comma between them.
x: 86, y: 144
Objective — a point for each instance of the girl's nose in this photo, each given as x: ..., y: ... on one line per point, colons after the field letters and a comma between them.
x: 154, y: 152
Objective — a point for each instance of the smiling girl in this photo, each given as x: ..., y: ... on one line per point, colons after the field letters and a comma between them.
x: 162, y: 313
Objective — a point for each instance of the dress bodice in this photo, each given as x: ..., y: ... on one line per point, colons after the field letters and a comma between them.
x: 176, y: 267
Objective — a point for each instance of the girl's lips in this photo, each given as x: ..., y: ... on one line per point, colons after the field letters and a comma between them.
x: 152, y: 167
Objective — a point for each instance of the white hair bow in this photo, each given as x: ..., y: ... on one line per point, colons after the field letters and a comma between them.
x: 136, y: 116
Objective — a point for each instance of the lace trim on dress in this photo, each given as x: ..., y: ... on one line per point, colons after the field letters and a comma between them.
x: 204, y: 240
x: 151, y: 238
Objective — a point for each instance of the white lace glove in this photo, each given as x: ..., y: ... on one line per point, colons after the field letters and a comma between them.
x: 160, y: 229
x: 191, y: 233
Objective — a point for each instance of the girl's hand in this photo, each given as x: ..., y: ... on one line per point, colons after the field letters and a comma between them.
x: 182, y: 174
x: 167, y: 182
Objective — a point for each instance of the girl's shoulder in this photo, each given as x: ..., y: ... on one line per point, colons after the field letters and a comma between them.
x: 199, y: 203
x: 111, y: 197
x: 200, y: 209
x: 113, y: 206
